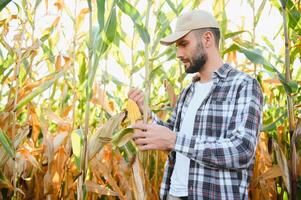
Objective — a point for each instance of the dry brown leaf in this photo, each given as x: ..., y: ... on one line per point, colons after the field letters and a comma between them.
x: 60, y: 162
x: 103, y: 134
x: 99, y: 189
x: 263, y: 169
x: 29, y: 86
x: 232, y: 58
x: 122, y: 173
x: 264, y: 190
x: 34, y: 122
x: 80, y: 17
x: 29, y: 157
x: 67, y: 62
x: 59, y: 4
x: 100, y: 98
x: 4, y: 182
x: 138, y: 180
x: 58, y: 63
x: 63, y: 124
x: 66, y: 111
x: 271, y: 173
x: 5, y: 118
x: 49, y: 152
x: 99, y: 169
x: 171, y: 93
x: 282, y: 162
x: 112, y: 106
x: 59, y: 140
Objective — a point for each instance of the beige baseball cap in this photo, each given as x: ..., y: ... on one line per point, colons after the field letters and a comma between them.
x: 189, y: 21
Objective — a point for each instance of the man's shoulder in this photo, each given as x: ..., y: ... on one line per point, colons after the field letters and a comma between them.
x: 240, y: 77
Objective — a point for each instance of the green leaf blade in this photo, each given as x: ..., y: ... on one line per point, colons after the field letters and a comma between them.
x: 7, y: 144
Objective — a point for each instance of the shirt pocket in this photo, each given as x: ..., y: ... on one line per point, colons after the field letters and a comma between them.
x: 220, y: 111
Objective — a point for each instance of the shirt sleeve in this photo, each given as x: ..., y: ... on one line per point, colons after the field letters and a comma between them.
x: 237, y: 150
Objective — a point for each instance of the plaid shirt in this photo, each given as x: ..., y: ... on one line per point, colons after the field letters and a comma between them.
x: 222, y: 146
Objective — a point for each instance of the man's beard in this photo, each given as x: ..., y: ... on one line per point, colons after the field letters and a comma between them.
x: 197, y: 63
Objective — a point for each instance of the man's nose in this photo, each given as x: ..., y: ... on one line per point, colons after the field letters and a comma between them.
x: 179, y: 53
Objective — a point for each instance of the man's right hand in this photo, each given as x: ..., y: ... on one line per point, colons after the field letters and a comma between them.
x: 138, y: 96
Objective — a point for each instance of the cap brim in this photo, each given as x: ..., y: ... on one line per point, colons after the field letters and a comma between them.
x: 170, y: 39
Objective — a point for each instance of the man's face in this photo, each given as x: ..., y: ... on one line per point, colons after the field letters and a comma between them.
x: 191, y: 52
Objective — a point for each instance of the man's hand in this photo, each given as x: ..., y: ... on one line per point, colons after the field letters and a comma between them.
x: 138, y: 96
x: 153, y: 137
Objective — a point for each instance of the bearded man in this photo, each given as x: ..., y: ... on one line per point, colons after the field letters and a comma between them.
x: 213, y: 130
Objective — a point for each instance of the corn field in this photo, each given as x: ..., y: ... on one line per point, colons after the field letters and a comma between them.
x: 66, y: 68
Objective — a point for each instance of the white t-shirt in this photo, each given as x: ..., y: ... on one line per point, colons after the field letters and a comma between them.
x: 179, y: 178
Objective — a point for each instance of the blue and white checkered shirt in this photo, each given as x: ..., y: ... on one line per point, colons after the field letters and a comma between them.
x: 222, y: 147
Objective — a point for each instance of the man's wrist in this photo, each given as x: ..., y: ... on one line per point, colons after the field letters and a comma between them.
x: 172, y: 140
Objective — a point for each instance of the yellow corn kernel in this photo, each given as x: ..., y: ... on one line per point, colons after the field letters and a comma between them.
x: 133, y: 111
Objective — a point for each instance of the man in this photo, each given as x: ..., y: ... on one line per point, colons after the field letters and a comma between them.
x: 212, y: 132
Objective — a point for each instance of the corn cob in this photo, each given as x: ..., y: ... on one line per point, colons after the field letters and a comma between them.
x: 133, y: 111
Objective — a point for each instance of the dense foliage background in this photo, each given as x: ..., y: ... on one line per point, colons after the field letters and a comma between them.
x: 66, y: 68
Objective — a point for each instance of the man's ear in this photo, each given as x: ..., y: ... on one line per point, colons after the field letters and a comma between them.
x: 208, y: 39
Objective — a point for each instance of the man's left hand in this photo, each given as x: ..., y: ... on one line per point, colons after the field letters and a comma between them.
x: 153, y: 137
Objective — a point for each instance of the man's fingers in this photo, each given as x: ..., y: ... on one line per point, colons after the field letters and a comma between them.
x: 145, y: 147
x: 140, y: 125
x: 139, y: 134
x: 138, y: 97
x: 131, y: 92
x: 141, y: 141
x: 134, y: 93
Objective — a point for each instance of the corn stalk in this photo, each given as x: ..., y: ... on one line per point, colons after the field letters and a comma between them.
x: 292, y: 196
x: 254, y: 31
x: 84, y: 156
x: 17, y: 71
x: 132, y: 57
x: 147, y: 68
x: 145, y: 155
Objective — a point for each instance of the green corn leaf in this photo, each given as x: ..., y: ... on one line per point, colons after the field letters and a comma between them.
x: 273, y: 125
x: 283, y: 3
x: 111, y: 30
x: 232, y: 34
x: 130, y: 10
x: 255, y: 57
x: 143, y: 33
x: 294, y: 17
x: 122, y: 137
x: 133, y: 13
x: 82, y: 69
x: 267, y: 42
x: 172, y: 6
x: 100, y: 13
x: 3, y: 3
x: 89, y: 4
x: 77, y: 140
x: 196, y: 3
x: 259, y: 12
x: 37, y: 4
x: 276, y: 4
x: 233, y: 47
x: 7, y: 144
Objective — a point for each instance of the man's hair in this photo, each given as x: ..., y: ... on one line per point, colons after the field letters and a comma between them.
x: 215, y: 31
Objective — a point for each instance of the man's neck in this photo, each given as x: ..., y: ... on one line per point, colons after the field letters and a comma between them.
x: 210, y: 66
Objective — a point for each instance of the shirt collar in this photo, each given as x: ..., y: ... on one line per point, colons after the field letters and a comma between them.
x: 221, y: 72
